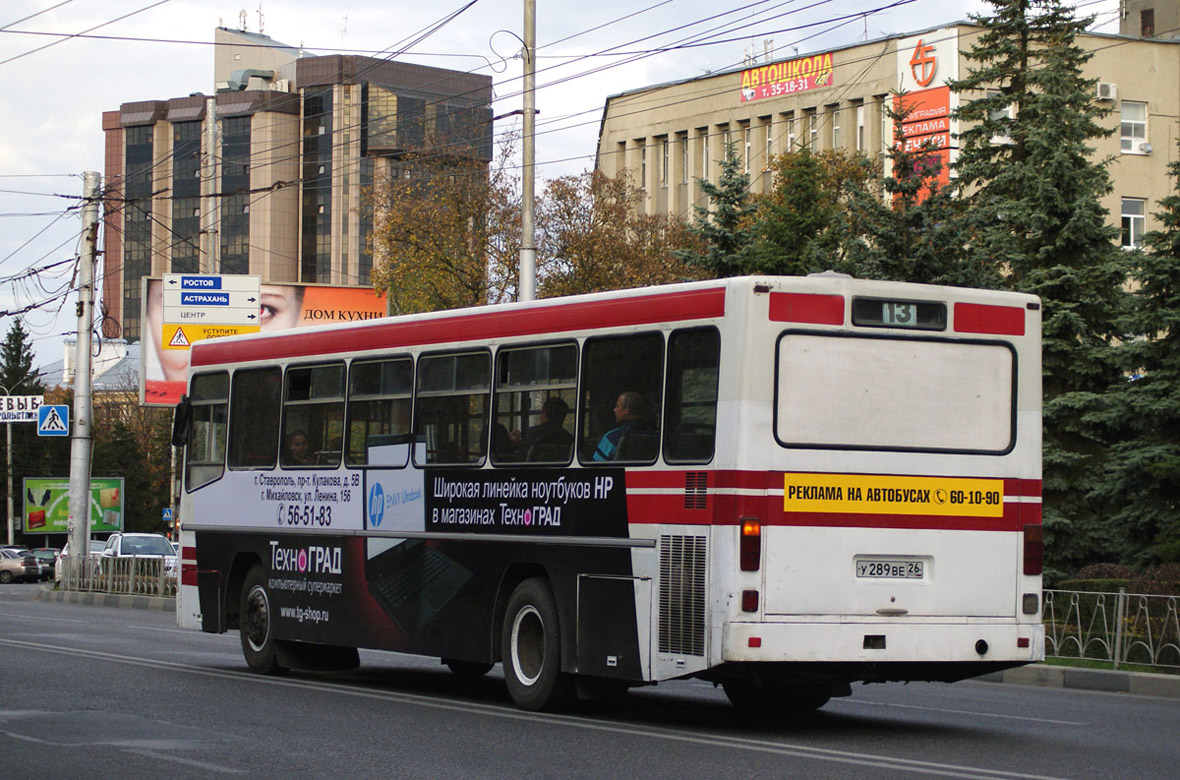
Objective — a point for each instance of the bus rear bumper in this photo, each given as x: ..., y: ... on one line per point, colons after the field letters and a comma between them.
x: 884, y: 642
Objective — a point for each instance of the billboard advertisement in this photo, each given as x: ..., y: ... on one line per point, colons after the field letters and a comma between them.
x: 47, y: 505
x: 785, y: 78
x: 281, y: 306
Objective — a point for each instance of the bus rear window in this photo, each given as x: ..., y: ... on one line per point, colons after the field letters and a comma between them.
x: 894, y: 394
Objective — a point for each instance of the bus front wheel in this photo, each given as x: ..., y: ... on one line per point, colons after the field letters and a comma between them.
x: 531, y: 649
x: 255, y: 623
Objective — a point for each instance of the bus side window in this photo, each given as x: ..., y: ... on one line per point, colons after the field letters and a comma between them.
x: 622, y: 382
x: 535, y: 395
x: 380, y: 396
x: 254, y: 418
x: 205, y: 454
x: 691, y: 423
x: 313, y: 408
x: 451, y: 407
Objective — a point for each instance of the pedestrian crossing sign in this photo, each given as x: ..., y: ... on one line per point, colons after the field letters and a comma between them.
x: 53, y: 420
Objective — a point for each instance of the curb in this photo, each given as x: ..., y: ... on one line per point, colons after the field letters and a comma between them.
x: 123, y: 601
x: 1048, y: 676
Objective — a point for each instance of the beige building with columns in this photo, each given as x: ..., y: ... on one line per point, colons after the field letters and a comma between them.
x: 669, y: 136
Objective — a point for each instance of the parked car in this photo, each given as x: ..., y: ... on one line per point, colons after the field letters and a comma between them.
x: 96, y: 548
x: 134, y: 545
x: 47, y: 557
x: 15, y: 566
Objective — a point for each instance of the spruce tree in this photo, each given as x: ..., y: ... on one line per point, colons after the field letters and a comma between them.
x: 1142, y: 479
x: 19, y: 377
x: 1033, y: 196
x: 724, y: 226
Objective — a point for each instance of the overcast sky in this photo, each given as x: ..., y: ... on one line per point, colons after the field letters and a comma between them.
x: 127, y: 50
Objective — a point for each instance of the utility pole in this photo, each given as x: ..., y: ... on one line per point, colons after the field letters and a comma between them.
x: 8, y: 452
x: 80, y: 436
x: 527, y: 286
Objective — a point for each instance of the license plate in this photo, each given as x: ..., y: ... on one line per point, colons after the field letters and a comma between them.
x: 890, y: 569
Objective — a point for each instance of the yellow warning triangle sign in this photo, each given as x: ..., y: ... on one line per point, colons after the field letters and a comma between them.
x: 178, y: 339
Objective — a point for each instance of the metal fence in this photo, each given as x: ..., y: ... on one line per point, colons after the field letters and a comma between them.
x: 141, y: 576
x: 1119, y: 628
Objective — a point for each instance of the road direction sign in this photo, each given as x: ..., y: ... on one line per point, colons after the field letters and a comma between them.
x: 205, y: 306
x: 53, y: 420
x: 20, y: 408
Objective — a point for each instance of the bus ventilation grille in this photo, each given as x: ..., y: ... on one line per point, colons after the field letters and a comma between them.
x: 696, y: 489
x: 682, y: 595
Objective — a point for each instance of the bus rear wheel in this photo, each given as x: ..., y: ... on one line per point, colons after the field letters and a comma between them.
x: 773, y: 699
x: 255, y: 624
x: 531, y: 649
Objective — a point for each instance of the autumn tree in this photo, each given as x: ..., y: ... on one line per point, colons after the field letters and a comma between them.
x: 591, y: 237
x: 446, y: 230
x: 799, y: 227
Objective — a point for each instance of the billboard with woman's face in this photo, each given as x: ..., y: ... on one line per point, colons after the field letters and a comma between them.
x: 281, y: 306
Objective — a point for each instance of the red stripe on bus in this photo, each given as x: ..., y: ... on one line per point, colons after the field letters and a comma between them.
x: 553, y: 318
x: 985, y: 318
x: 813, y: 308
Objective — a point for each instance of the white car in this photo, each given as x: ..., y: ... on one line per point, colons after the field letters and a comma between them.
x: 95, y: 548
x: 133, y: 545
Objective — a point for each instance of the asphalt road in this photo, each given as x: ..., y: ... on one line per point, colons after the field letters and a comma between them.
x: 99, y: 692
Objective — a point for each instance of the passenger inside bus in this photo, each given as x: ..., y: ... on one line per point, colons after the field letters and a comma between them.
x: 630, y: 415
x: 548, y: 440
x: 298, y: 450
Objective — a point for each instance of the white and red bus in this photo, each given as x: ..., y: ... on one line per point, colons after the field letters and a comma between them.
x: 782, y: 485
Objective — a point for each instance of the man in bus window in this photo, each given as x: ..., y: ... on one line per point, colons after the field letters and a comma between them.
x: 629, y: 413
x: 550, y: 432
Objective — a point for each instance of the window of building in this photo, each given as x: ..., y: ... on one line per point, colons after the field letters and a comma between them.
x: 682, y: 139
x: 451, y: 407
x: 642, y: 163
x: 380, y: 396
x: 665, y: 162
x: 1133, y: 129
x: 769, y: 142
x: 703, y: 138
x: 1147, y: 23
x: 837, y: 139
x: 860, y: 128
x: 536, y: 390
x: 747, y: 149
x: 313, y: 415
x: 812, y: 130
x: 621, y: 399
x: 1134, y: 222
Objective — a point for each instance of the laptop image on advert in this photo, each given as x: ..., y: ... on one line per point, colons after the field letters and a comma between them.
x: 413, y: 581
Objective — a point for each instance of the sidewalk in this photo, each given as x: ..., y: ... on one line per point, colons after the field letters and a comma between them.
x: 1041, y: 675
x: 1048, y: 676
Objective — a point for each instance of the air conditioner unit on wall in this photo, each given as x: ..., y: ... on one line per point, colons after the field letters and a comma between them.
x: 1106, y: 90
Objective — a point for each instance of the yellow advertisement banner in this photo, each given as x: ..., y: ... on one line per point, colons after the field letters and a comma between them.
x: 176, y: 336
x: 882, y: 494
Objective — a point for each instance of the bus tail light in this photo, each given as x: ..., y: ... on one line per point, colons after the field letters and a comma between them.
x: 1034, y: 549
x: 750, y: 551
x: 749, y: 601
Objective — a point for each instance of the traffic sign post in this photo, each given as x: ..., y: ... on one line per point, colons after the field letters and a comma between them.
x: 53, y: 420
